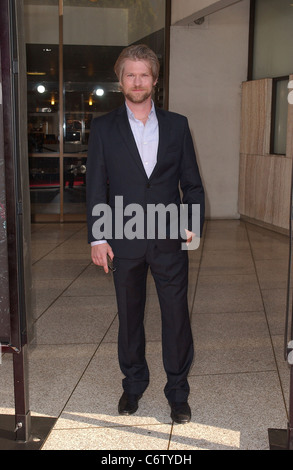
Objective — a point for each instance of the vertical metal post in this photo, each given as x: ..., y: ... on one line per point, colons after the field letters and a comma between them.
x: 21, y: 396
x: 15, y: 174
x: 61, y: 112
x: 20, y: 361
x: 290, y: 413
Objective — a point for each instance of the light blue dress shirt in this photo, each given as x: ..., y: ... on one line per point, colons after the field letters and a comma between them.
x: 146, y: 138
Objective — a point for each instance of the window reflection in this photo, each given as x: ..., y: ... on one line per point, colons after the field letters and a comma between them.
x: 279, y: 116
x: 84, y: 49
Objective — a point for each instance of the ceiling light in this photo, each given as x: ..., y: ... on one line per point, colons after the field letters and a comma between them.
x: 99, y: 92
x: 41, y: 88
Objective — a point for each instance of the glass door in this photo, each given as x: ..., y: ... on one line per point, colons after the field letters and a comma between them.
x: 42, y: 51
x: 90, y: 87
x: 72, y: 46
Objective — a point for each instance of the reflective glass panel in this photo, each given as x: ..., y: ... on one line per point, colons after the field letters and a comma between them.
x: 94, y: 34
x: 273, y: 39
x: 42, y: 36
x: 80, y: 40
x: 280, y: 117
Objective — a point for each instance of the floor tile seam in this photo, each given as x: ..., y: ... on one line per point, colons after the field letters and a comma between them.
x: 267, y: 322
x: 77, y: 262
x: 57, y: 245
x: 83, y: 257
x: 274, y: 288
x: 224, y: 250
x: 114, y: 426
x: 90, y: 295
x: 104, y: 341
x: 276, y: 335
x: 221, y: 275
x: 242, y: 312
x: 64, y: 290
x: 248, y: 372
x: 223, y: 227
x: 72, y: 343
x: 57, y: 224
x: 279, y: 258
x: 37, y: 225
x: 35, y: 278
x: 230, y: 312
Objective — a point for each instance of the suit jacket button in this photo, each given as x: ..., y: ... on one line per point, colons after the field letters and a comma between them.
x: 148, y: 185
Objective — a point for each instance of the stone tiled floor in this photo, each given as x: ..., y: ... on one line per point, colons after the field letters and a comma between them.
x: 239, y: 379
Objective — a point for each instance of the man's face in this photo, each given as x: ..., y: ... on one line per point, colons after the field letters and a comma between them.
x: 137, y: 81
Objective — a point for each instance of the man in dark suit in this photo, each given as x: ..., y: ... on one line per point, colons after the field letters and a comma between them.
x: 138, y: 156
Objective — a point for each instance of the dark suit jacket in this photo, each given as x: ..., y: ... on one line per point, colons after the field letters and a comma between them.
x: 114, y: 168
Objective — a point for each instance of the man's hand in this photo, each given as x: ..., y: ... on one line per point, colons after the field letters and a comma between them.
x: 99, y: 255
x: 189, y: 236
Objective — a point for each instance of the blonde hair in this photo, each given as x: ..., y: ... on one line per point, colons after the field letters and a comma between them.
x: 137, y: 52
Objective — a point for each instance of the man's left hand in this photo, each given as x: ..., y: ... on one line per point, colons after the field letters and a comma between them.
x: 189, y: 236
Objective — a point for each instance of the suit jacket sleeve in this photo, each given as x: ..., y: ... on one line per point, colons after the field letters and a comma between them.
x: 96, y: 176
x: 190, y: 181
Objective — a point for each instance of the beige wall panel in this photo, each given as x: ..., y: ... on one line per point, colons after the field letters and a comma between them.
x: 282, y: 191
x: 264, y: 189
x: 241, y: 185
x: 256, y: 117
x: 261, y: 176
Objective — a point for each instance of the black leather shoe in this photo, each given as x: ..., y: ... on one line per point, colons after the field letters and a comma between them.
x: 180, y: 412
x: 128, y: 403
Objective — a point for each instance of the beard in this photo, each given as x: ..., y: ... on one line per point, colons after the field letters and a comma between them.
x: 138, y: 97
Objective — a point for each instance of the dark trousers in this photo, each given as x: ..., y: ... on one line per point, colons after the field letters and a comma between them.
x: 170, y: 273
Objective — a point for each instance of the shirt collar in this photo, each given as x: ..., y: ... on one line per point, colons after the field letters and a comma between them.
x: 131, y: 115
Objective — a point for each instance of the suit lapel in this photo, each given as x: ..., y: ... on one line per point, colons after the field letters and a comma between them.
x: 163, y: 138
x: 125, y: 129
